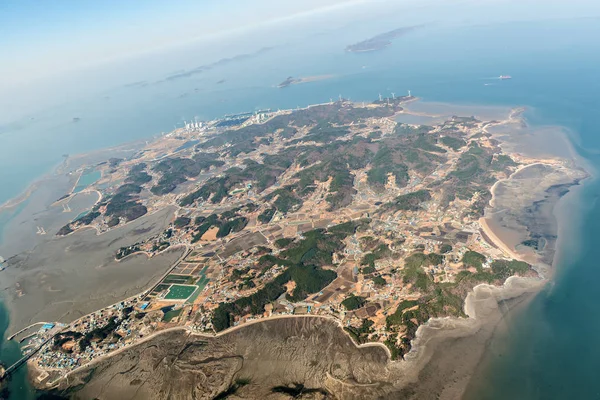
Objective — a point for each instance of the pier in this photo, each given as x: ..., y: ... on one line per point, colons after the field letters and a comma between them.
x: 23, y: 359
x: 9, y: 370
x: 11, y: 337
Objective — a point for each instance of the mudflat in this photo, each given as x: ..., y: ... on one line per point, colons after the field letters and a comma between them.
x: 64, y: 278
x: 307, y: 357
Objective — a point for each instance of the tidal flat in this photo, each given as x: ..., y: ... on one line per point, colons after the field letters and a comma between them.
x: 311, y: 355
x: 50, y: 278
x: 68, y: 277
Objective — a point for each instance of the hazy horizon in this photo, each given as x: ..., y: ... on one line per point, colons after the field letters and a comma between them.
x: 66, y: 50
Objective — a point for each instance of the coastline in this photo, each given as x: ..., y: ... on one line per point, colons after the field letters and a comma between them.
x: 395, y: 376
x: 224, y: 333
x: 95, y: 271
x: 63, y: 167
x: 485, y: 314
x: 436, y: 330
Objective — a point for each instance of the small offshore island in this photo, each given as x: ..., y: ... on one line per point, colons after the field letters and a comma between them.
x: 330, y: 216
x: 380, y: 41
x: 290, y: 80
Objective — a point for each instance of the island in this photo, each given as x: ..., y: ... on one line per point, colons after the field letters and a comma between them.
x: 290, y: 80
x: 380, y: 41
x: 333, y: 226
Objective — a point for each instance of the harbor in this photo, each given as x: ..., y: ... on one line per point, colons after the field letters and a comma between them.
x: 34, y: 339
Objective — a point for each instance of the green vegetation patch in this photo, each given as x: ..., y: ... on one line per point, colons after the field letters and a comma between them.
x: 169, y: 315
x: 125, y: 251
x: 283, y: 242
x: 228, y: 222
x: 500, y: 270
x: 261, y: 175
x: 474, y: 259
x: 349, y: 228
x: 502, y: 162
x: 267, y: 215
x: 427, y: 143
x: 378, y: 281
x: 395, y: 350
x: 503, y: 269
x: 125, y: 203
x: 380, y: 252
x: 234, y: 225
x: 472, y: 176
x: 440, y: 299
x: 317, y: 246
x: 368, y: 270
x: 99, y: 334
x: 410, y: 201
x: 408, y: 130
x: 176, y: 171
x: 181, y: 222
x: 445, y: 248
x: 353, y: 302
x: 360, y: 334
x: 413, y: 270
x: 285, y: 199
x: 309, y: 279
x: 325, y: 132
x: 137, y: 175
x: 386, y: 162
x: 454, y: 143
x: 341, y: 187
x: 396, y: 317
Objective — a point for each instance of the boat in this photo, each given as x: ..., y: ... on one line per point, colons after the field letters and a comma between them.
x: 505, y: 77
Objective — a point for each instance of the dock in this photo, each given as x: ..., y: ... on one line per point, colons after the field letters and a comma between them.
x: 23, y: 360
x: 11, y: 337
x: 9, y: 370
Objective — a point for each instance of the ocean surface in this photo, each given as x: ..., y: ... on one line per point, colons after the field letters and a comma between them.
x: 550, y: 348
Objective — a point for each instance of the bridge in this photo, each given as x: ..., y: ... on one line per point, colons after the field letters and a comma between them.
x: 26, y: 357
x: 23, y: 360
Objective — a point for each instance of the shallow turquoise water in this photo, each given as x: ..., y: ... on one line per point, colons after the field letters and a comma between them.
x: 87, y: 178
x: 81, y: 215
x: 550, y: 350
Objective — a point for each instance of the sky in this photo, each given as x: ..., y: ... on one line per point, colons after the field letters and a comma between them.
x: 41, y: 38
x: 45, y: 43
x: 48, y: 37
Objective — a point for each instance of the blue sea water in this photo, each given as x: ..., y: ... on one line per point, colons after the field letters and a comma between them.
x: 551, y: 346
x: 19, y: 386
